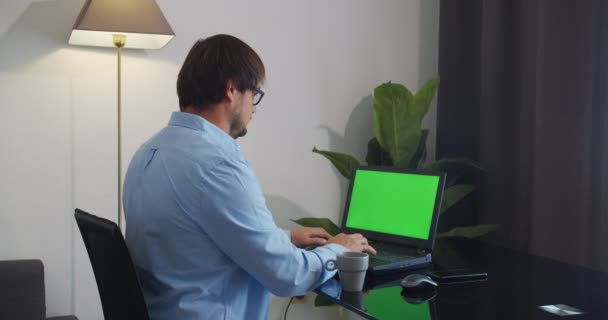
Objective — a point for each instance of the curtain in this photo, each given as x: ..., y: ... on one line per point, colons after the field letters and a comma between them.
x: 524, y: 91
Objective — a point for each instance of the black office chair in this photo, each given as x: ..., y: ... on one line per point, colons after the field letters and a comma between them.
x: 121, y: 295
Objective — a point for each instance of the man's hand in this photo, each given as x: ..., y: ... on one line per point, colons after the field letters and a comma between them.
x: 354, y: 242
x: 306, y: 237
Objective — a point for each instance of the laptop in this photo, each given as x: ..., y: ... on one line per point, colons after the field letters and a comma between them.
x: 397, y: 210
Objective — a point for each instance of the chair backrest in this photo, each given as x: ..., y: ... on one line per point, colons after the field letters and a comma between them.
x: 22, y: 289
x: 117, y: 282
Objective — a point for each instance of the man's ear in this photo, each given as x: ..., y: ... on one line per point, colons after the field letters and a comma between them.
x: 231, y: 91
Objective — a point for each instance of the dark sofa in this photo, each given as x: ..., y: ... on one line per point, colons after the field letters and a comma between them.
x: 22, y: 291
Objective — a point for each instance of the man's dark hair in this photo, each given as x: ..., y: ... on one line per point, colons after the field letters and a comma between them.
x: 210, y: 64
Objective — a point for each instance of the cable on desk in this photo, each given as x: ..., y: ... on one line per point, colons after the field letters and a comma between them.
x: 287, y: 308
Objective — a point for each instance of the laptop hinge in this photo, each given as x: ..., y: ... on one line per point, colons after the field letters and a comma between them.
x: 422, y: 251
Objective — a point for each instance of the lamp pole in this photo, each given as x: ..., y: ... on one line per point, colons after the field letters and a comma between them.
x: 103, y: 23
x: 119, y: 43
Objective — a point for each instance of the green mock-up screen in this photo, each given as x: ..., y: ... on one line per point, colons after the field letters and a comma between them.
x: 393, y: 202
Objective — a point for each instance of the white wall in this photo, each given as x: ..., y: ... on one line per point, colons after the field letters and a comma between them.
x: 57, y: 112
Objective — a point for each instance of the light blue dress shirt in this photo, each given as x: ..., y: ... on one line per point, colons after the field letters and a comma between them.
x: 203, y: 242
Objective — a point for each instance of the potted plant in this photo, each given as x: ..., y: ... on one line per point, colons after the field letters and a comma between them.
x: 400, y: 141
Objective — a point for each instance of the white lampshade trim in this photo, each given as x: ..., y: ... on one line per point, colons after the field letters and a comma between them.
x: 104, y: 39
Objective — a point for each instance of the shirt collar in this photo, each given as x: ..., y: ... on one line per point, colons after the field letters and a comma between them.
x: 198, y: 123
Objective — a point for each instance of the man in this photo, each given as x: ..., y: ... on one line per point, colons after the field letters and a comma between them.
x: 202, y: 239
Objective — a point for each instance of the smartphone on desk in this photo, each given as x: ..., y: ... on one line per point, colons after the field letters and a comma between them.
x: 457, y: 275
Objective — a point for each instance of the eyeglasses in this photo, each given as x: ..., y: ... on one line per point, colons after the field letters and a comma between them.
x: 258, y: 94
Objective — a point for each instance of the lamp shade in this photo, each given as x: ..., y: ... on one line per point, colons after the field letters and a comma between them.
x: 141, y: 21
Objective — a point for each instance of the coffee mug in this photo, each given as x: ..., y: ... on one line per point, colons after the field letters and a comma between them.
x: 352, y: 267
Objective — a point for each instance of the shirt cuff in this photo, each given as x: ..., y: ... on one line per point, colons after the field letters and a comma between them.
x: 329, y: 251
x: 326, y: 253
x: 334, y: 247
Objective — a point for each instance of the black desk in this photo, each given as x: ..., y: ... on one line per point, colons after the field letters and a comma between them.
x: 517, y: 285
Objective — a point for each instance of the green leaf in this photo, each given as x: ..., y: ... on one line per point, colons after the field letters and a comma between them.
x: 469, y: 232
x: 398, y: 118
x: 420, y: 151
x: 423, y: 98
x: 455, y: 193
x: 454, y: 163
x: 321, y: 301
x: 376, y: 156
x: 324, y: 223
x: 457, y: 169
x: 396, y: 130
x: 344, y: 163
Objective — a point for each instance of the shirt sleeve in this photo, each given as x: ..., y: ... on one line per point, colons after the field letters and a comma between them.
x: 235, y: 216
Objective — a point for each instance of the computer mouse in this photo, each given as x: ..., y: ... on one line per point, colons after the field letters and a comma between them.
x: 417, y: 296
x: 417, y: 280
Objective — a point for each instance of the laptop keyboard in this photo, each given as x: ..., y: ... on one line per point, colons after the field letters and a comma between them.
x: 387, y: 253
x: 389, y: 256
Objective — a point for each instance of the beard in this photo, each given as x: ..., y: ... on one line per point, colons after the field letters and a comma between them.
x: 237, y: 126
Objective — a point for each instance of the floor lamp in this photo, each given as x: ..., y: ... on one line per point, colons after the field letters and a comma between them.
x: 136, y: 24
